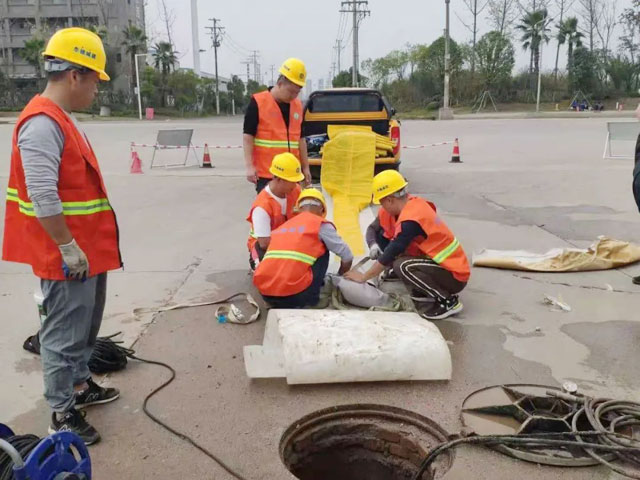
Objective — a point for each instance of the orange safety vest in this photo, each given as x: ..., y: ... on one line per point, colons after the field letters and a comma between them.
x: 85, y: 205
x: 286, y: 267
x: 440, y: 244
x: 273, y: 209
x: 272, y: 136
x: 388, y: 225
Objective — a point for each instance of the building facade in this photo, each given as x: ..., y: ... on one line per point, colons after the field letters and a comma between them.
x: 21, y: 20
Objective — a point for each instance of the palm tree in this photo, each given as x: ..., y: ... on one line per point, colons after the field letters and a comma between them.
x: 134, y: 41
x: 32, y: 53
x: 164, y: 57
x: 568, y: 33
x: 534, y: 31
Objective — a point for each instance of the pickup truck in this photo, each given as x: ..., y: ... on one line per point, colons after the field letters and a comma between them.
x: 349, y: 106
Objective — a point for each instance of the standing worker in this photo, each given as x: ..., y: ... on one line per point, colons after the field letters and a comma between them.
x: 273, y: 125
x: 423, y: 251
x: 59, y: 221
x: 274, y: 205
x: 293, y: 269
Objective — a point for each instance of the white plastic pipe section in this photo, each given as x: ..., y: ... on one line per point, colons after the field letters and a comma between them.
x: 336, y: 346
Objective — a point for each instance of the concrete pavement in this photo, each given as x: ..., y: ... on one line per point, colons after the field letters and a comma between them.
x: 524, y: 184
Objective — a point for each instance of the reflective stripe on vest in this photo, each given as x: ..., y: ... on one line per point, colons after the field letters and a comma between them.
x: 290, y: 255
x: 447, y: 251
x: 68, y: 208
x: 261, y: 142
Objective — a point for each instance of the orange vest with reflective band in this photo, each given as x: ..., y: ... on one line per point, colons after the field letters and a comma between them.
x: 273, y: 209
x: 388, y: 225
x: 440, y: 244
x: 272, y: 136
x: 286, y: 267
x: 85, y: 206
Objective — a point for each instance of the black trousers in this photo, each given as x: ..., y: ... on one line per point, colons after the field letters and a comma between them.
x: 423, y: 276
x: 309, y: 297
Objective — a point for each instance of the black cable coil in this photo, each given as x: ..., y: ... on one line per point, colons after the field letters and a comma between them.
x: 24, y: 444
x: 108, y: 355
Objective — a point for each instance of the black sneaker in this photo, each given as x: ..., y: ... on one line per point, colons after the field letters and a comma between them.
x: 73, y: 421
x: 96, y: 395
x: 636, y: 280
x: 440, y: 310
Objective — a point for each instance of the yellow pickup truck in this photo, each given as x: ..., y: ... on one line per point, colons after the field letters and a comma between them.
x: 349, y: 106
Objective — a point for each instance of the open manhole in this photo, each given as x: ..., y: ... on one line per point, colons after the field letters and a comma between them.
x: 362, y: 442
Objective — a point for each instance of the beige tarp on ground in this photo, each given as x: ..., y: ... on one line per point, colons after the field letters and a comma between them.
x: 605, y: 254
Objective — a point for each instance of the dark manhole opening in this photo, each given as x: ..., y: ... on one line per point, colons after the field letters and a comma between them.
x: 363, y: 442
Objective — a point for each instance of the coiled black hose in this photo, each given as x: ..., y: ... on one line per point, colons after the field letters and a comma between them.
x: 24, y: 444
x: 605, y: 417
x: 108, y: 355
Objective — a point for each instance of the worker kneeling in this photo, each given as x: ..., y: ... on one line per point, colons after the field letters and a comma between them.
x: 296, y: 262
x: 274, y: 205
x: 411, y: 237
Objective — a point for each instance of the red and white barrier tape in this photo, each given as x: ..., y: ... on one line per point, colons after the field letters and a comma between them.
x: 229, y: 147
x: 415, y: 147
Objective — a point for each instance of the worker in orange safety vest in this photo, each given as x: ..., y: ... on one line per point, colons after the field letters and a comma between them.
x: 410, y: 236
x: 273, y: 125
x: 292, y: 271
x: 274, y: 205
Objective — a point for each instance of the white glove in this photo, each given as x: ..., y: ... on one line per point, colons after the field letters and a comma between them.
x: 75, y: 263
x: 375, y: 251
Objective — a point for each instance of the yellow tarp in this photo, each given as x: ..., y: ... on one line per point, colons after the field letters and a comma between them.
x: 605, y: 254
x: 348, y: 162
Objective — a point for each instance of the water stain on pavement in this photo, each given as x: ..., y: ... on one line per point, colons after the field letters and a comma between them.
x: 613, y: 348
x: 28, y: 365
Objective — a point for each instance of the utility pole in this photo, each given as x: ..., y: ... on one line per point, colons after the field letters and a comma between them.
x: 216, y: 32
x: 256, y: 66
x: 338, y: 48
x: 273, y: 69
x: 359, y: 11
x: 248, y: 64
x: 445, y: 111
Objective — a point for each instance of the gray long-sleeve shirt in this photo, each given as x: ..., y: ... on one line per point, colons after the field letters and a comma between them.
x: 329, y: 236
x: 41, y: 141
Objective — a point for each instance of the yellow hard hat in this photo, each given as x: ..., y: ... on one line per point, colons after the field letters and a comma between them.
x: 294, y: 70
x: 79, y: 46
x: 387, y: 183
x: 287, y: 167
x: 312, y: 193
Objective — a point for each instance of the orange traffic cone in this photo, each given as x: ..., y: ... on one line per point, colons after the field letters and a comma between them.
x: 455, y: 157
x: 206, y: 159
x: 136, y: 163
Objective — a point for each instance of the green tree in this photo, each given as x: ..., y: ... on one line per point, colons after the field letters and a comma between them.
x: 164, y: 57
x: 534, y: 31
x: 254, y: 87
x: 345, y: 79
x: 236, y: 91
x: 495, y: 59
x: 434, y: 64
x: 32, y: 54
x: 184, y: 88
x: 569, y: 34
x: 623, y: 74
x: 134, y: 41
x: 583, y: 75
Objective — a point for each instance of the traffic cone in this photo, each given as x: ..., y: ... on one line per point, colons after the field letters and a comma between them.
x: 206, y: 159
x: 455, y: 157
x: 136, y: 163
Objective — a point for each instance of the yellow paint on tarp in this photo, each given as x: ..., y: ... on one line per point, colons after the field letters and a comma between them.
x: 348, y: 163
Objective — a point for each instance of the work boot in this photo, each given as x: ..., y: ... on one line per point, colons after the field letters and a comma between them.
x: 636, y: 280
x: 96, y: 395
x: 73, y: 421
x: 441, y: 310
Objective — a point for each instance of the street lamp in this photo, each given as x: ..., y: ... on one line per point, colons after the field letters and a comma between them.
x: 445, y: 111
x: 544, y: 26
x: 138, y: 82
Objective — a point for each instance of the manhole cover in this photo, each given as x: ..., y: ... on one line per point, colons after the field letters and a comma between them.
x: 362, y: 442
x: 526, y: 409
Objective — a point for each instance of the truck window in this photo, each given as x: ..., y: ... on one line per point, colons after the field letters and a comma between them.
x: 350, y: 102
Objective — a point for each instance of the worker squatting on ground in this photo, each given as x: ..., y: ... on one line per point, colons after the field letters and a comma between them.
x: 274, y: 205
x: 59, y: 221
x: 293, y: 269
x: 411, y: 237
x: 273, y: 125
